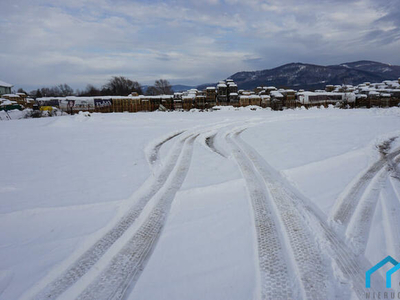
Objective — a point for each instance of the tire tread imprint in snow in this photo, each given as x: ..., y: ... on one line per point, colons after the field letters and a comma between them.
x: 87, y: 260
x: 126, y: 266
x: 154, y: 156
x: 210, y: 142
x: 348, y: 202
x: 275, y: 277
x: 352, y: 266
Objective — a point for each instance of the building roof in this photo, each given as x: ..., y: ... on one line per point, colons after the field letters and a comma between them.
x: 11, y: 95
x: 5, y: 84
x: 7, y: 102
x: 276, y: 94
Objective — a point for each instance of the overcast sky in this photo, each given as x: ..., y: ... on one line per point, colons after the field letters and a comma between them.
x: 47, y: 42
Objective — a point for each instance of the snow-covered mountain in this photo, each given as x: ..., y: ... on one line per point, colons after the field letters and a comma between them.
x: 308, y: 76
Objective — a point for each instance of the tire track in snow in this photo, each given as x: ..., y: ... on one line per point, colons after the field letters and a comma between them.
x: 211, y: 144
x: 360, y: 223
x: 154, y: 156
x: 126, y: 266
x: 91, y: 256
x: 305, y: 252
x: 391, y: 211
x: 274, y: 274
x: 353, y: 267
x: 346, y: 205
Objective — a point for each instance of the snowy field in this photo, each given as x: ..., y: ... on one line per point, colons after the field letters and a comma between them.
x: 229, y: 204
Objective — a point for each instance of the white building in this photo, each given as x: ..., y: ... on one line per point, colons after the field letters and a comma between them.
x: 5, y: 88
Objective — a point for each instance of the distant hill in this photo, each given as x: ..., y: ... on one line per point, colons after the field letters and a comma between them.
x: 385, y: 70
x: 181, y: 87
x: 204, y: 85
x: 175, y: 88
x: 308, y: 76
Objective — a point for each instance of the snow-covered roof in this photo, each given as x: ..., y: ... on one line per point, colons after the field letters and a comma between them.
x: 249, y: 96
x: 386, y: 95
x: 210, y: 88
x: 106, y: 97
x: 221, y: 85
x: 5, y: 84
x: 306, y: 93
x: 276, y: 94
x: 11, y: 95
x: 7, y: 102
x: 233, y: 94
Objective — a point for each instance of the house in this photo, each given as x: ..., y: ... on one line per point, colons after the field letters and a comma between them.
x: 5, y: 88
x: 222, y: 93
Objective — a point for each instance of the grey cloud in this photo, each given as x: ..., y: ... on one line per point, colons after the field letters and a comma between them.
x: 84, y: 41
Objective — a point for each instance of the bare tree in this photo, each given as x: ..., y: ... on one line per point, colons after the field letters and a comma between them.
x: 163, y: 87
x: 65, y: 90
x: 152, y: 91
x: 119, y: 85
x: 37, y: 93
x: 61, y: 90
x: 90, y: 90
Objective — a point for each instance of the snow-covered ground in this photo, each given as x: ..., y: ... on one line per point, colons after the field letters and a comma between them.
x: 230, y: 204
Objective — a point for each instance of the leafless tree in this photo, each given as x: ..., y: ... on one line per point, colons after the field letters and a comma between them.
x: 120, y: 85
x: 65, y: 90
x: 163, y: 87
x: 152, y: 91
x: 61, y: 90
x: 21, y: 90
x: 90, y: 90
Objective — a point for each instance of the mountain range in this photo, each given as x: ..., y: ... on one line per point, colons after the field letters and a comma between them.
x: 310, y: 77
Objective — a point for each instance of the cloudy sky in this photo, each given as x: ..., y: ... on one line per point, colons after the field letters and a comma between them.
x: 47, y: 42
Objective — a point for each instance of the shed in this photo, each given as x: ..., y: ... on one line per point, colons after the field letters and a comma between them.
x: 5, y: 88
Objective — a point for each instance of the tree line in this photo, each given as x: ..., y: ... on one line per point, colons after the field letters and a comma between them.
x: 115, y: 86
